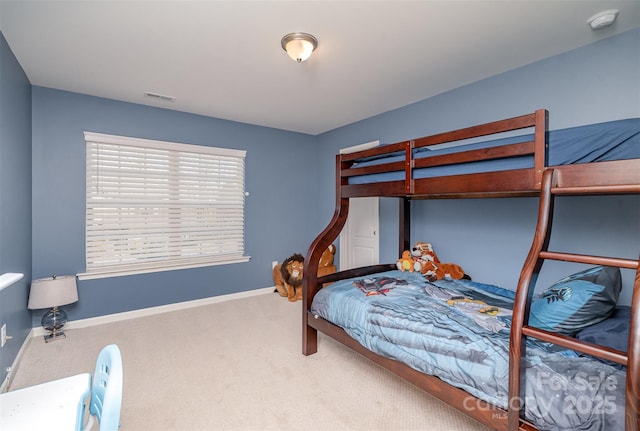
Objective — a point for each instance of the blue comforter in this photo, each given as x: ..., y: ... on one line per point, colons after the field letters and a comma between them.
x: 458, y: 330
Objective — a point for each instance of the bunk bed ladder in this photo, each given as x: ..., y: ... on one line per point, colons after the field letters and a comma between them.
x: 520, y: 329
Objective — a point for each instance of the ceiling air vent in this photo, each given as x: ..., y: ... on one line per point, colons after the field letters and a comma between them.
x: 160, y: 96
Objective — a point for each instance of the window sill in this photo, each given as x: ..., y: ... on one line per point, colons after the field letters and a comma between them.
x: 120, y: 273
x: 9, y: 278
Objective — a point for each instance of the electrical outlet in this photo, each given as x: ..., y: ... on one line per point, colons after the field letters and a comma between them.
x: 3, y: 335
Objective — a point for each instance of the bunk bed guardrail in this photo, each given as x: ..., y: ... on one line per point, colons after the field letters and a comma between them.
x: 407, y: 162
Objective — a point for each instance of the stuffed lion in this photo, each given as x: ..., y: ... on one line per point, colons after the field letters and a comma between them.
x: 288, y: 277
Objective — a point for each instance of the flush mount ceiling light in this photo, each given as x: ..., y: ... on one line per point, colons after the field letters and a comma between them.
x: 603, y: 19
x: 299, y: 46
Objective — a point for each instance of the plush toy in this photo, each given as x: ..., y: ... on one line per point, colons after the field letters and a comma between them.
x: 430, y: 266
x: 405, y: 263
x: 326, y: 265
x: 423, y: 254
x: 288, y: 277
x: 433, y: 271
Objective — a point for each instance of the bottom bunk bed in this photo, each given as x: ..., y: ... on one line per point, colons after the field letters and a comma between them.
x: 458, y: 330
x: 482, y: 348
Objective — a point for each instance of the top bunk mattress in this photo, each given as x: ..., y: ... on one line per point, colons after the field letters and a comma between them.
x: 612, y: 140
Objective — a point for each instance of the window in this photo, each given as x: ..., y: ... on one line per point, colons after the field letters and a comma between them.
x: 155, y: 206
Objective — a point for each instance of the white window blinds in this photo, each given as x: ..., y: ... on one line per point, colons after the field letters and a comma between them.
x: 154, y: 206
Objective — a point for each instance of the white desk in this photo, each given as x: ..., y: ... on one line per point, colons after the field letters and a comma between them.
x: 55, y: 405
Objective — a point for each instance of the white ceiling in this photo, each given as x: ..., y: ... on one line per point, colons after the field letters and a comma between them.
x: 223, y: 58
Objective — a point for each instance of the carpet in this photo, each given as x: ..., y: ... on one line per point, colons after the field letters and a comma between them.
x: 237, y: 365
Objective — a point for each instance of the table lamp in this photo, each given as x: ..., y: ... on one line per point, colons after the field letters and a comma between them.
x: 53, y: 292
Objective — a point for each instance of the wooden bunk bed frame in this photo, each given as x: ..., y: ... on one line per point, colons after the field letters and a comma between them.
x: 611, y: 177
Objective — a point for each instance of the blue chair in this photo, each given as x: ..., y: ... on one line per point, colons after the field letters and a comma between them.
x: 106, y: 390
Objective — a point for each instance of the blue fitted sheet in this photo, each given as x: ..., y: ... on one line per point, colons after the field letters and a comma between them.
x: 613, y: 140
x: 458, y: 330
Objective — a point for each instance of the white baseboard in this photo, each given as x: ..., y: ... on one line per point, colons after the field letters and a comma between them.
x: 6, y: 383
x: 93, y: 321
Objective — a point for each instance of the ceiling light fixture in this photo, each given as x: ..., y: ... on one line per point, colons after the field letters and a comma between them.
x: 299, y: 46
x: 603, y: 19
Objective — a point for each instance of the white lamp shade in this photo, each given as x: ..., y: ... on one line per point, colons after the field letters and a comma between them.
x: 299, y: 46
x: 53, y: 291
x: 299, y: 50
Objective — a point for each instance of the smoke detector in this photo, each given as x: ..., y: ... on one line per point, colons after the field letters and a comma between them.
x: 603, y: 19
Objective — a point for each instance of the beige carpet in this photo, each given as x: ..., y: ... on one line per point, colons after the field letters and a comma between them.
x: 237, y: 365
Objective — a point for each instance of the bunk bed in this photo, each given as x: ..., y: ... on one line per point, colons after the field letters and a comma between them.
x: 513, y: 157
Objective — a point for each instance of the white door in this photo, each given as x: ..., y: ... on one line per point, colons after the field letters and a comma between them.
x: 359, y: 239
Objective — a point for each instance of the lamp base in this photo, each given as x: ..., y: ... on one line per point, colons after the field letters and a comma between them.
x: 55, y: 335
x: 53, y: 320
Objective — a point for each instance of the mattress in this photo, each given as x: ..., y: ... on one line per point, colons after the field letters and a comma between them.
x: 458, y: 330
x: 613, y: 140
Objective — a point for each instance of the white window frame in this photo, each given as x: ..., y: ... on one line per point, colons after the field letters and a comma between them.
x: 157, y: 206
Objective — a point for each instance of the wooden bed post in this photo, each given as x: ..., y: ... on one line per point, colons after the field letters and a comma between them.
x: 633, y: 363
x: 404, y: 225
x: 541, y: 146
x: 311, y: 261
x: 522, y: 301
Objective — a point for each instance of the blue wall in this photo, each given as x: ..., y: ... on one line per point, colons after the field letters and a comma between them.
x: 490, y: 238
x: 15, y: 200
x: 279, y: 216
